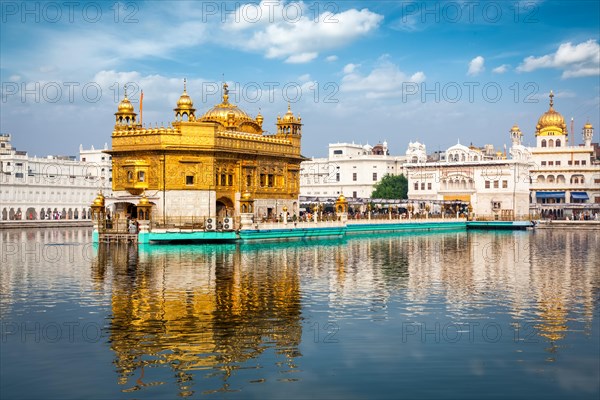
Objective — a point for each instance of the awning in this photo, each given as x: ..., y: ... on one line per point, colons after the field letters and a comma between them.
x: 579, y: 196
x: 550, y: 195
x: 466, y: 198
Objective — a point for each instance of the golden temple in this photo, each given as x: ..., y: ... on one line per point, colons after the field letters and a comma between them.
x: 201, y: 166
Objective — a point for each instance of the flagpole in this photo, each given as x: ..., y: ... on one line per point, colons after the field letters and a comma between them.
x: 141, y: 107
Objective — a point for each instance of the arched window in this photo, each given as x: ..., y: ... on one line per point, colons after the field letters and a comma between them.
x: 557, y: 142
x: 544, y: 143
x: 541, y: 179
x: 550, y: 143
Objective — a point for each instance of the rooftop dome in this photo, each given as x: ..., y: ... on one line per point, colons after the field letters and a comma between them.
x: 551, y: 121
x: 230, y: 116
x: 125, y: 105
x: 185, y: 101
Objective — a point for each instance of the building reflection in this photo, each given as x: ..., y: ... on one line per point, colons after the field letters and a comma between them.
x: 199, y: 310
x: 209, y: 311
x: 544, y: 280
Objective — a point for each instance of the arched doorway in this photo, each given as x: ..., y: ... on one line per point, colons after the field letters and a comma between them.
x: 31, y: 213
x: 224, y: 207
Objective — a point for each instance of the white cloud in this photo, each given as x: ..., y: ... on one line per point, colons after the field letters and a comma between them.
x: 476, y: 66
x: 331, y: 58
x: 302, y: 35
x: 501, y: 69
x: 349, y: 68
x: 576, y: 61
x: 301, y: 58
x: 385, y: 80
x: 408, y: 23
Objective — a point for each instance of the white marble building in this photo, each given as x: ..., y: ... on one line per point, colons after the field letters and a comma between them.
x: 565, y: 179
x: 496, y: 187
x: 350, y: 169
x: 51, y: 187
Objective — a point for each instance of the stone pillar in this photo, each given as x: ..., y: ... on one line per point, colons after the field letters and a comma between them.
x: 246, y: 211
x: 284, y: 215
x: 246, y: 221
x: 144, y: 232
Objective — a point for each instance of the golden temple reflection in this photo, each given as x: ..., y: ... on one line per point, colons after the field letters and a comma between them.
x: 197, y: 309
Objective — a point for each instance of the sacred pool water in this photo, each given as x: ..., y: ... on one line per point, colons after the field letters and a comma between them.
x: 430, y: 315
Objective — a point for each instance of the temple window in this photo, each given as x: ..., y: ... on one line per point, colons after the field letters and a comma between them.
x: 189, y: 179
x: 271, y: 180
x: 263, y: 179
x: 544, y: 143
x: 141, y: 176
x: 129, y: 176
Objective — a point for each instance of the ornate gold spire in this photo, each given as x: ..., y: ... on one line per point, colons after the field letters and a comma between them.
x: 225, y: 93
x: 551, y: 99
x: 125, y: 105
x: 185, y: 105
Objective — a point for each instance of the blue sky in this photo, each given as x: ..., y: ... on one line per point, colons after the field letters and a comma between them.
x: 365, y: 72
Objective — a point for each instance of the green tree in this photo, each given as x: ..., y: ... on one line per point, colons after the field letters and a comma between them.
x: 391, y: 187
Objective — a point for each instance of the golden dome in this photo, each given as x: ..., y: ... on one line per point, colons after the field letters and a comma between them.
x: 588, y: 125
x: 342, y: 198
x: 247, y: 195
x: 185, y: 101
x: 125, y: 105
x: 143, y: 201
x: 551, y: 119
x: 99, y: 200
x: 515, y: 128
x: 289, y: 115
x: 231, y: 117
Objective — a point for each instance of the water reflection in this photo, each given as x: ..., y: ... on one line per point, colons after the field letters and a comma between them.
x: 298, y: 318
x: 218, y: 308
x: 195, y: 308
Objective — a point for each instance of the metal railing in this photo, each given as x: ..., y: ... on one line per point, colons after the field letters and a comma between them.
x: 196, y: 223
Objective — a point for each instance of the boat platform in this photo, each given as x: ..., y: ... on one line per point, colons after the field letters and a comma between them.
x: 506, y: 225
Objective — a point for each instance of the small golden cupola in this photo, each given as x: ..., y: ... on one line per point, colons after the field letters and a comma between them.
x: 125, y: 114
x: 230, y: 117
x: 515, y: 135
x: 185, y: 110
x: 259, y: 119
x: 551, y: 122
x: 289, y: 123
x: 588, y: 134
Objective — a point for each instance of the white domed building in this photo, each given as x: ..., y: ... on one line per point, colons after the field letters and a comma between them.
x: 565, y: 179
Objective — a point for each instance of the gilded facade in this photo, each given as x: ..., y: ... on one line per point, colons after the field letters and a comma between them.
x: 199, y: 166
